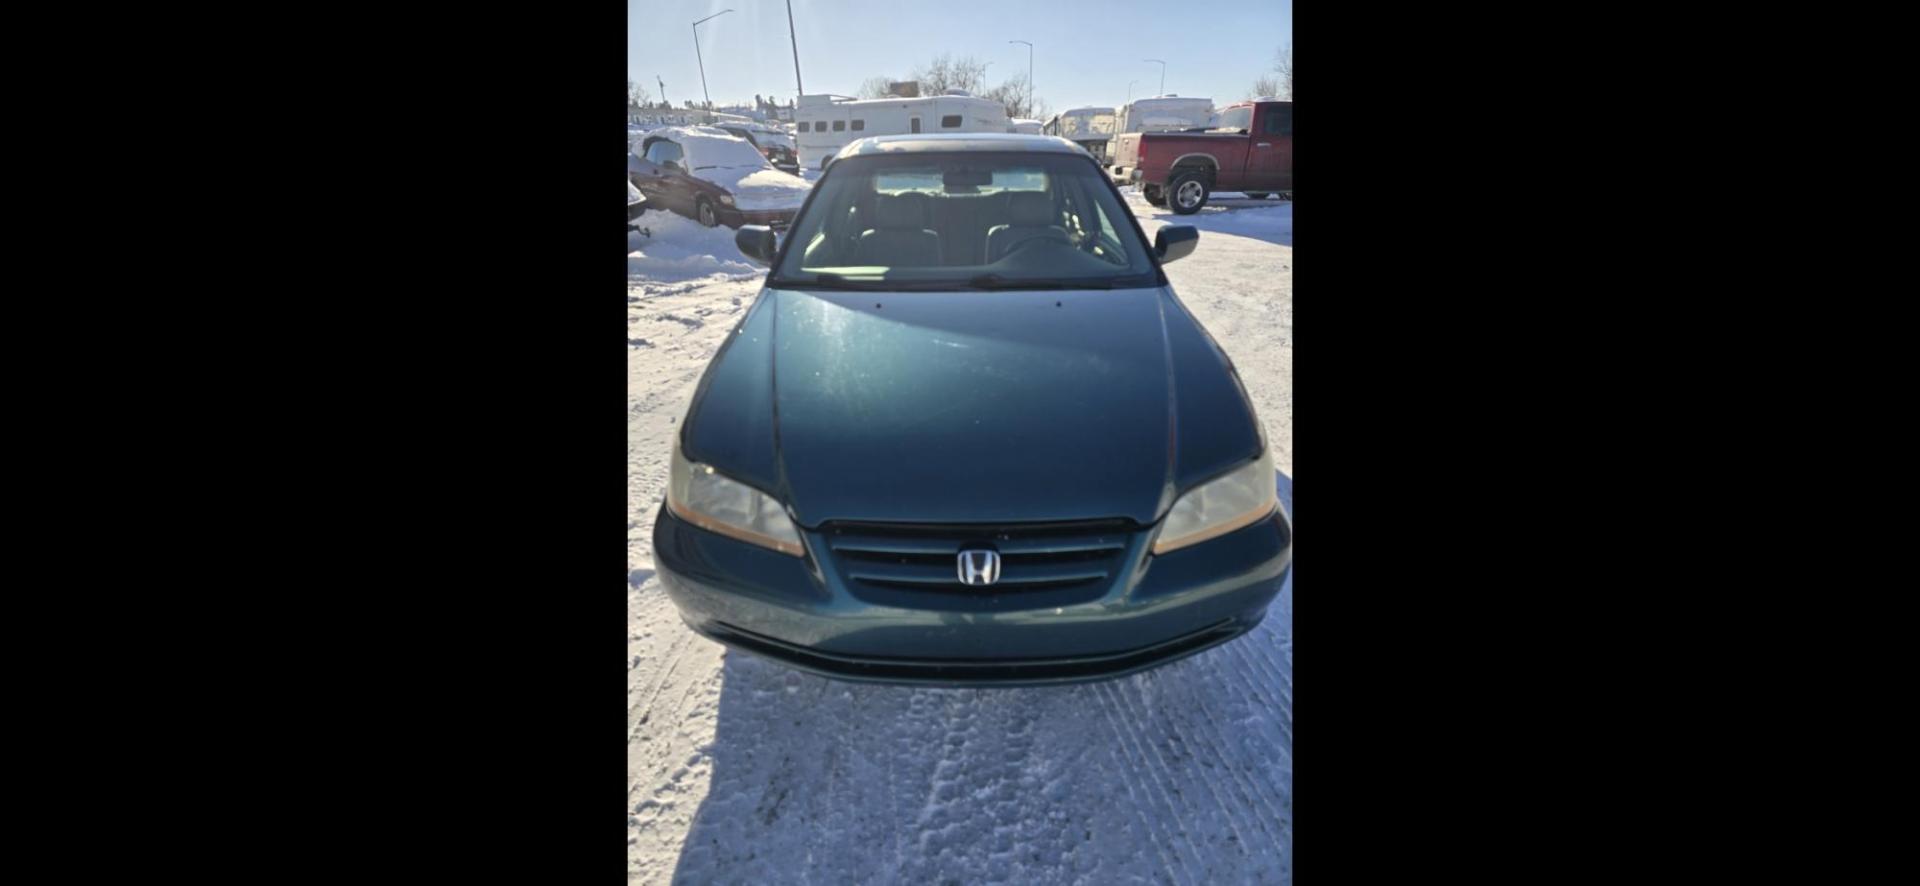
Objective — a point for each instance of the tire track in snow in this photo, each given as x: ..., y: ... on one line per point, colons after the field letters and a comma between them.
x: 1251, y: 795
x: 1281, y: 684
x: 1143, y: 812
x: 1188, y: 811
x: 676, y: 650
x: 1136, y: 713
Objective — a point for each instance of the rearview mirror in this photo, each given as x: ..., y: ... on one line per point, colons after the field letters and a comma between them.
x: 756, y: 242
x: 966, y: 180
x: 1175, y: 242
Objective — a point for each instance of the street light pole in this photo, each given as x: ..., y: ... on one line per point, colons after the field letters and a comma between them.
x: 796, y: 51
x: 663, y: 91
x: 1163, y: 74
x: 702, y: 61
x: 1130, y: 90
x: 1029, y: 75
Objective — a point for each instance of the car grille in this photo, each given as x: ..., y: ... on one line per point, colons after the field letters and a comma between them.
x: 1032, y: 556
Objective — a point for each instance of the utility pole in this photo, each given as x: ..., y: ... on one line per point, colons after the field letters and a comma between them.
x: 703, y: 63
x: 1163, y: 74
x: 798, y: 89
x: 663, y: 91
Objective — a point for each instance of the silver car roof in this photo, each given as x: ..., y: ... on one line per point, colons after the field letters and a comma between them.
x: 958, y: 141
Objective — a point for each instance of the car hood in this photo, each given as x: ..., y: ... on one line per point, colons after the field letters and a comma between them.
x: 758, y: 188
x: 967, y: 407
x: 971, y: 407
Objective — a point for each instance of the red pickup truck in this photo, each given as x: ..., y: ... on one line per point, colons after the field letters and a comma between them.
x: 1248, y: 149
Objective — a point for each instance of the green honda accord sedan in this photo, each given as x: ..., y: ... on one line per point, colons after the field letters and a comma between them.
x: 968, y: 435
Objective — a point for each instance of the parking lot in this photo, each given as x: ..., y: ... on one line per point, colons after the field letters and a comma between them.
x: 744, y: 771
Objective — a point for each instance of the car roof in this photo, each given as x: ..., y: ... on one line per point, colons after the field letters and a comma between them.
x: 955, y: 142
x: 681, y: 133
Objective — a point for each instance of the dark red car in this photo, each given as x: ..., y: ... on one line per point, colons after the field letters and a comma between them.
x: 1249, y: 148
x: 715, y: 178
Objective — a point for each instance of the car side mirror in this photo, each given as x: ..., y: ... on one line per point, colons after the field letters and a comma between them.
x: 1175, y: 242
x: 756, y: 242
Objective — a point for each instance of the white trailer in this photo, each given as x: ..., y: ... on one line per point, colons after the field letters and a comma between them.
x: 1164, y: 113
x: 1090, y: 128
x: 1161, y: 113
x: 823, y: 124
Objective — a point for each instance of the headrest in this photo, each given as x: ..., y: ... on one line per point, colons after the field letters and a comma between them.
x: 897, y: 211
x: 1029, y: 209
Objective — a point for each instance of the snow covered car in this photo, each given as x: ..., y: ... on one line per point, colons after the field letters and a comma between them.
x: 774, y: 145
x: 708, y: 175
x: 636, y: 203
x: 967, y: 434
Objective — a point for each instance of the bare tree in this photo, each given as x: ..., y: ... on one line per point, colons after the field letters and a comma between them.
x: 875, y: 87
x: 946, y: 72
x: 637, y: 95
x: 1014, y: 94
x: 1265, y: 86
x: 1283, y: 64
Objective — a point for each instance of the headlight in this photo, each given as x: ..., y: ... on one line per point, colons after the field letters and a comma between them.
x: 699, y: 495
x: 1219, y: 506
x: 726, y: 199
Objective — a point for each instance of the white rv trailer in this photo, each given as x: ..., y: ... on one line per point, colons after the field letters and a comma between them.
x: 1164, y: 113
x: 1090, y: 128
x: 823, y: 124
x: 1025, y: 127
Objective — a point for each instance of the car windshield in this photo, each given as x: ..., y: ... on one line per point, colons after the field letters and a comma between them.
x: 965, y: 220
x: 716, y: 152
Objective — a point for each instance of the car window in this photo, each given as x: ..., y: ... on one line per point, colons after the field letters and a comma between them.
x: 1235, y: 118
x: 965, y: 220
x: 664, y: 151
x: 1280, y: 120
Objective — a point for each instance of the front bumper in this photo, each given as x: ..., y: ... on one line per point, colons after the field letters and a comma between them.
x: 803, y: 612
x: 777, y: 219
x: 635, y: 210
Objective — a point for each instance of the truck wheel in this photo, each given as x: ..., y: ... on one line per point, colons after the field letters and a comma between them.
x: 1187, y: 192
x: 1153, y: 196
x: 1256, y: 195
x: 704, y: 209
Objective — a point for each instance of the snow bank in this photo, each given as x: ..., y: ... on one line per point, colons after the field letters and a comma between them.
x: 1225, y: 213
x: 680, y: 249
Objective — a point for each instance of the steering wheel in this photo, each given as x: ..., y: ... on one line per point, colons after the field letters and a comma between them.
x: 1015, y: 248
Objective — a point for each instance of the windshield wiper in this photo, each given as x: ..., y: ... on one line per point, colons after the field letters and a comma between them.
x: 996, y: 281
x: 826, y: 280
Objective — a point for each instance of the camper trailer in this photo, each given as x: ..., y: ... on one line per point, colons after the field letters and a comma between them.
x: 823, y: 124
x: 1024, y: 126
x: 1165, y: 113
x: 1090, y: 128
x: 1162, y: 113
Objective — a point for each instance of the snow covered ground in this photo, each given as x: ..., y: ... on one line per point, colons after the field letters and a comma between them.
x: 742, y: 771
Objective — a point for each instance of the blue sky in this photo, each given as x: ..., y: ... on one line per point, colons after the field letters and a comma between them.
x: 1084, y: 52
